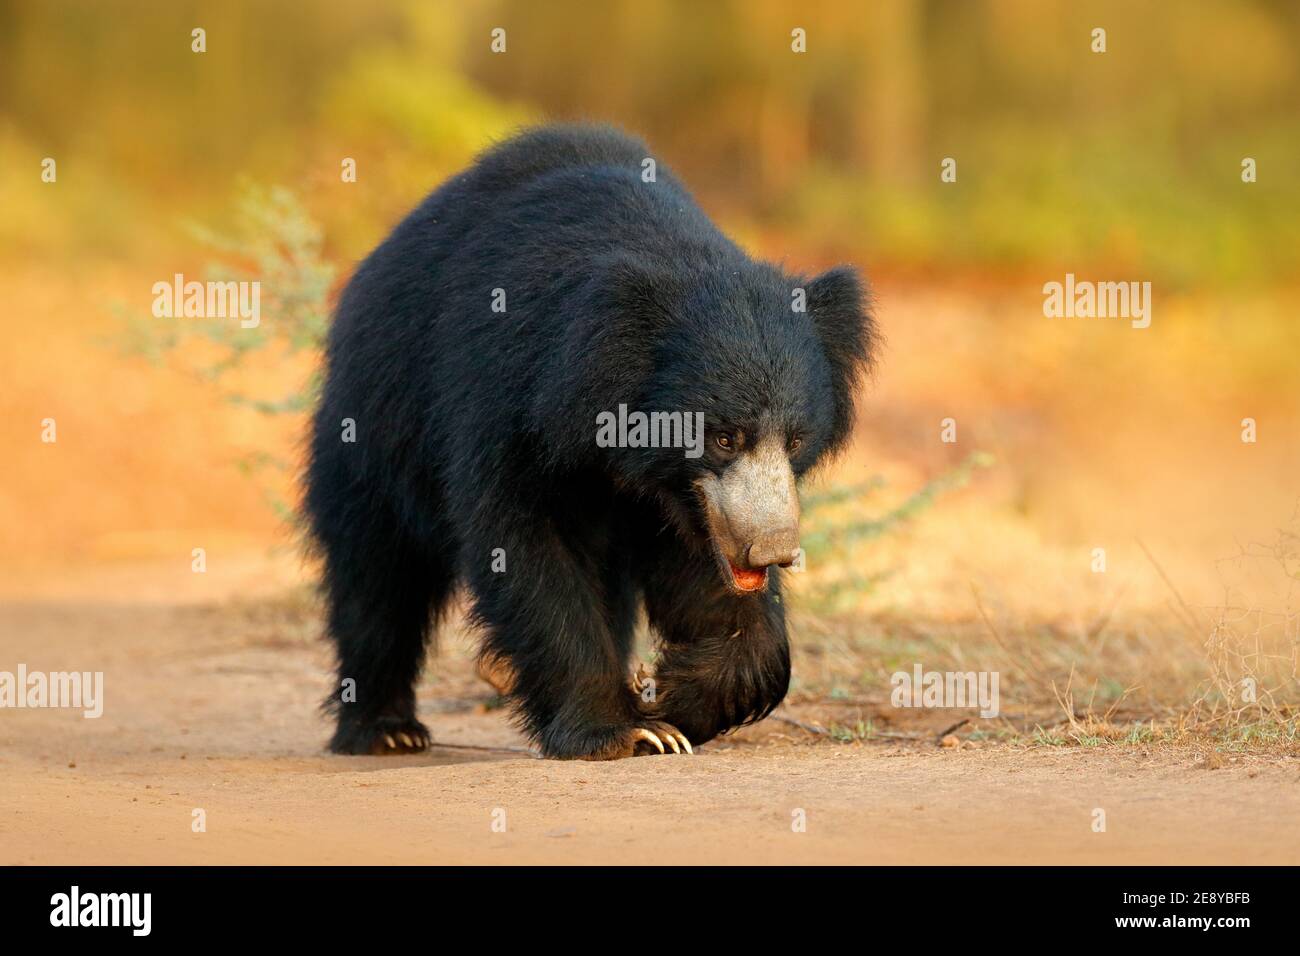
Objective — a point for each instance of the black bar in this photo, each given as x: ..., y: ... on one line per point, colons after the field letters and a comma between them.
x: 299, y: 904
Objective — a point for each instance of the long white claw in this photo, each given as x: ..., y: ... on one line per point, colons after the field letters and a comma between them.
x: 407, y: 741
x: 388, y: 739
x: 643, y: 734
x: 685, y: 743
x: 672, y: 742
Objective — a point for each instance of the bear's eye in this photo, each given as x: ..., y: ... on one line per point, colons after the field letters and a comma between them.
x: 725, y: 441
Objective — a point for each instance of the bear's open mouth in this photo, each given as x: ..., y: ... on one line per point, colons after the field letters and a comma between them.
x: 747, y: 579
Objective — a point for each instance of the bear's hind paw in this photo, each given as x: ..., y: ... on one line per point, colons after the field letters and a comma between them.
x: 382, y: 737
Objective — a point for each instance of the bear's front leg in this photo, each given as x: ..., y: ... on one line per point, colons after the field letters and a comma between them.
x: 725, y: 658
x: 559, y: 635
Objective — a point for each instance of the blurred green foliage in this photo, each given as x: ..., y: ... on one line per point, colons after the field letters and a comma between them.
x: 1067, y: 159
x: 837, y: 521
x: 275, y: 242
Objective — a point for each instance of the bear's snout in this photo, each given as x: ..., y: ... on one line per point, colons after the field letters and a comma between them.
x: 752, y: 512
x: 774, y: 547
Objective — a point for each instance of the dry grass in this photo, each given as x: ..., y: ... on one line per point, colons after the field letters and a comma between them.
x: 1215, y: 677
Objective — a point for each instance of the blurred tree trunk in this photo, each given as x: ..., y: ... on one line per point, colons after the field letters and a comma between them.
x: 781, y: 99
x: 784, y: 135
x: 887, y: 132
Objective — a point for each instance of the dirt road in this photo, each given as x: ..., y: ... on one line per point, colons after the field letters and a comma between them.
x: 213, y: 709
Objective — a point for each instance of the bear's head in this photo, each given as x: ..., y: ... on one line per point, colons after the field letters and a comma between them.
x: 715, y: 390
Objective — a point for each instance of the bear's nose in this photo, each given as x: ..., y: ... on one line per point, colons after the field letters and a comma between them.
x: 774, y: 547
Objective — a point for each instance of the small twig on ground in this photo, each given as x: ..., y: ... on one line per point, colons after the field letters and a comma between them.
x: 822, y: 731
x: 811, y: 728
x: 944, y: 733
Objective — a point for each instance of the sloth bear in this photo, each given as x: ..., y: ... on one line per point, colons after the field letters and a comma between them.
x: 475, y: 356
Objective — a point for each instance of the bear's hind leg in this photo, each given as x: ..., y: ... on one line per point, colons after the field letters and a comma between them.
x: 383, y: 591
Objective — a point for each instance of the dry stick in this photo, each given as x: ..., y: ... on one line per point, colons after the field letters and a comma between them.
x: 811, y: 728
x: 814, y: 729
x: 840, y: 701
x: 944, y: 733
x: 1191, y: 618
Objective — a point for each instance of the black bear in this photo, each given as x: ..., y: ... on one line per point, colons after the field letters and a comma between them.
x: 557, y: 383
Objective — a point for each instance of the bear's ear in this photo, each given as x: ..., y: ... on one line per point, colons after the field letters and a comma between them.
x: 839, y: 304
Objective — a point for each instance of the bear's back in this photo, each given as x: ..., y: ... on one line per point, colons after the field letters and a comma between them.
x: 521, y: 160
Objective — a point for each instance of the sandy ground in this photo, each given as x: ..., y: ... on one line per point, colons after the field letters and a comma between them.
x: 214, y: 709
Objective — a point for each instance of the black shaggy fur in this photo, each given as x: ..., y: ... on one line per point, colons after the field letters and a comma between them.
x: 475, y: 431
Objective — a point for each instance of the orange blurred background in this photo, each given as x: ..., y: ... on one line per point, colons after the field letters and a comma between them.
x: 1115, y: 166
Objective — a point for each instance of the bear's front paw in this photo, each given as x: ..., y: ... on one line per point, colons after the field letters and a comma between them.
x: 644, y: 738
x: 694, y: 710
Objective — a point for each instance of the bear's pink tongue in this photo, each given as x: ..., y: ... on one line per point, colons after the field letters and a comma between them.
x: 748, y: 579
